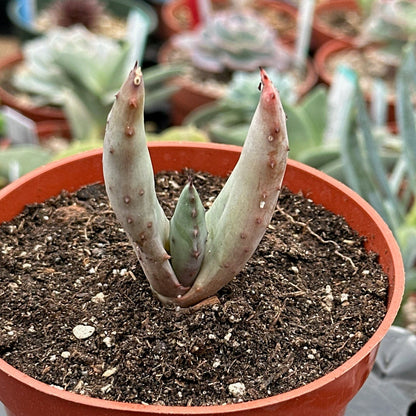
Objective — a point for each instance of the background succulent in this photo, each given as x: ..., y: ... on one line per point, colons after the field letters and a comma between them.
x: 381, y: 165
x: 227, y: 120
x: 233, y: 40
x: 389, y: 21
x: 81, y: 72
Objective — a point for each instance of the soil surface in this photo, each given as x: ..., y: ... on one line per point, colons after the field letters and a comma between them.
x: 76, y: 311
x: 347, y: 23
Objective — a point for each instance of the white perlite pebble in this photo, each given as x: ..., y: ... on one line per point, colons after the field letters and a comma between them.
x: 237, y: 389
x: 344, y: 297
x: 65, y: 354
x: 110, y: 372
x: 108, y: 341
x: 83, y: 331
x: 98, y: 298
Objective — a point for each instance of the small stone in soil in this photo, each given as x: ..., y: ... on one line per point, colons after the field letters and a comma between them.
x: 83, y: 331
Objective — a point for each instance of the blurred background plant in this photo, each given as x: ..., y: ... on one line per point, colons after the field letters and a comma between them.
x: 388, y: 22
x: 109, y: 18
x: 230, y: 40
x: 227, y: 120
x: 378, y: 164
x: 80, y: 71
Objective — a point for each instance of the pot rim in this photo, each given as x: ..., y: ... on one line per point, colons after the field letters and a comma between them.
x: 46, y: 112
x: 372, y: 344
x: 169, y: 9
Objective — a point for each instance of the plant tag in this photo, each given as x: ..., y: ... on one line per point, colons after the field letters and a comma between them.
x: 379, y: 103
x: 200, y: 10
x: 26, y: 11
x: 304, y: 28
x: 340, y: 103
x: 19, y: 129
x: 136, y: 36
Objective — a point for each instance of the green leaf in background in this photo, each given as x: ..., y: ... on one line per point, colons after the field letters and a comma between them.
x: 19, y: 160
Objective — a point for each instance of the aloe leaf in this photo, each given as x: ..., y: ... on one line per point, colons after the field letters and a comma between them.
x: 242, y: 211
x: 372, y: 156
x: 24, y: 157
x: 298, y: 125
x: 188, y: 235
x: 314, y: 105
x: 221, y: 133
x: 405, y: 111
x: 318, y: 157
x: 160, y: 95
x: 379, y: 103
x: 129, y: 180
x: 82, y: 123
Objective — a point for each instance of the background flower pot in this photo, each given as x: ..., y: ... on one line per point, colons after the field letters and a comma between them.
x: 328, y: 51
x: 176, y: 16
x: 119, y: 8
x: 191, y: 95
x: 323, y: 32
x: 326, y: 396
x: 7, y: 98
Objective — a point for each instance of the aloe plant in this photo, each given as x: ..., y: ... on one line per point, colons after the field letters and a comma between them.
x: 192, y: 256
x: 389, y: 184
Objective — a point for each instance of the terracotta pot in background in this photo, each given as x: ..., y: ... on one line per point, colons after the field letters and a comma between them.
x: 326, y: 396
x: 192, y: 95
x: 176, y: 16
x: 53, y: 128
x: 118, y: 8
x: 326, y: 52
x: 7, y: 98
x: 322, y: 32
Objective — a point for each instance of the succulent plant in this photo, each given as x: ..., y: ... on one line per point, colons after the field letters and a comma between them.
x: 192, y: 256
x: 81, y: 72
x: 72, y: 12
x: 227, y: 120
x: 380, y: 165
x: 15, y: 161
x: 392, y: 22
x: 233, y: 40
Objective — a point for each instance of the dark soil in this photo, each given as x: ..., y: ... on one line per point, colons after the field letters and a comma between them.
x: 342, y: 22
x: 307, y: 301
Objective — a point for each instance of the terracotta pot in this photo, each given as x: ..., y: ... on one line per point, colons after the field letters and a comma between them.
x: 176, y: 16
x: 118, y: 8
x: 322, y: 32
x: 191, y: 96
x: 53, y: 128
x: 326, y: 396
x: 7, y: 98
x: 326, y: 52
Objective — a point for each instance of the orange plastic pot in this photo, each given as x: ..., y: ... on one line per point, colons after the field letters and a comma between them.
x: 326, y: 396
x: 33, y: 112
x: 321, y: 31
